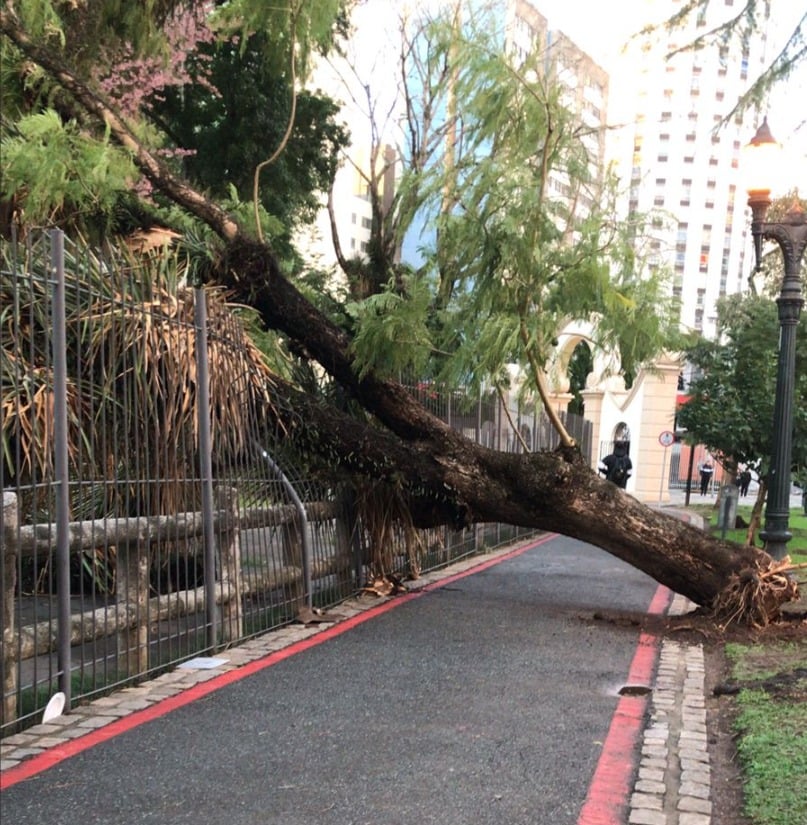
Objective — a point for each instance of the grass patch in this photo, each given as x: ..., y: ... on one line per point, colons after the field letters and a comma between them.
x: 796, y: 547
x: 772, y: 729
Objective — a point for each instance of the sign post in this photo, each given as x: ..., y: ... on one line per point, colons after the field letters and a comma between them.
x: 666, y: 439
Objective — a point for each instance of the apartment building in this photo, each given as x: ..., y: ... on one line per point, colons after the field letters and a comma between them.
x: 584, y: 82
x: 684, y: 155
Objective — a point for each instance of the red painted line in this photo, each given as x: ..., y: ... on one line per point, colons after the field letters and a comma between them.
x: 608, y: 794
x: 53, y: 756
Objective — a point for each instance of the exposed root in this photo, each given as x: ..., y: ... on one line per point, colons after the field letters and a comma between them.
x: 755, y: 597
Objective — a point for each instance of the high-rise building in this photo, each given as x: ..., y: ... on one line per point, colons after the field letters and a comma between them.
x: 584, y: 82
x: 684, y: 155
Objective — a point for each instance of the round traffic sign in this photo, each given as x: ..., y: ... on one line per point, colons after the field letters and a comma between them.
x: 666, y: 438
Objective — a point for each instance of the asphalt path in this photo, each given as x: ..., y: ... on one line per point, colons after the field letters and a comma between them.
x: 484, y: 700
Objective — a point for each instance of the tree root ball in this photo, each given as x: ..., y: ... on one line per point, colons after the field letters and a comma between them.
x: 755, y: 597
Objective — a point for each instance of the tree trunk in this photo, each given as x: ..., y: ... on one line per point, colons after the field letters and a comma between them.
x: 450, y: 479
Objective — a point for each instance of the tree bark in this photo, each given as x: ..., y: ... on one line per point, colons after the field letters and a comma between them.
x: 449, y: 478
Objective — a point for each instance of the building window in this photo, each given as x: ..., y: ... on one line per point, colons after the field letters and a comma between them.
x: 658, y: 200
x: 689, y: 159
x: 662, y: 158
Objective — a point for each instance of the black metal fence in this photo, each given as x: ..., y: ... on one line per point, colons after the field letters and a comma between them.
x: 150, y: 514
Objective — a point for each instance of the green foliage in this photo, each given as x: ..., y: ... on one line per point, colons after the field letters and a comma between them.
x: 61, y: 170
x: 392, y: 332
x: 513, y: 260
x: 731, y: 405
x: 232, y: 122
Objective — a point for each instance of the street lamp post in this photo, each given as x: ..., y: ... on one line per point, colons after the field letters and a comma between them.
x: 791, y: 236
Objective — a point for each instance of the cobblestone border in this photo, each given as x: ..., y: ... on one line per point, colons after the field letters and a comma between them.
x: 673, y: 784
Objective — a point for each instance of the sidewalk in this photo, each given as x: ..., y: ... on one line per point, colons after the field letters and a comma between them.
x: 667, y: 768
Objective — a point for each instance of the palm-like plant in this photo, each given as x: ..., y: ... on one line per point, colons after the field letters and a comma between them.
x: 132, y: 382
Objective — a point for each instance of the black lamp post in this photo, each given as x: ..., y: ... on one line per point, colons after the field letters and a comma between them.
x: 791, y: 236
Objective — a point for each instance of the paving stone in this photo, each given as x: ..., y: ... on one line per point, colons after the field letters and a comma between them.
x: 689, y: 818
x: 93, y: 722
x: 24, y: 753
x: 642, y: 816
x: 695, y: 805
x: 18, y: 739
x: 646, y: 800
x: 696, y: 789
x: 651, y: 786
x: 700, y: 777
x: 50, y: 742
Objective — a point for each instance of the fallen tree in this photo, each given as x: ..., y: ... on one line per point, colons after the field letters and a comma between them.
x: 447, y: 478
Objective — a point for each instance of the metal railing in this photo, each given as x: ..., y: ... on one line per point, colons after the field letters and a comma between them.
x: 150, y: 513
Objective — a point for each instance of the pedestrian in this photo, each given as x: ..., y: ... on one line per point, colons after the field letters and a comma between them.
x: 617, y: 466
x: 706, y: 470
x: 745, y: 480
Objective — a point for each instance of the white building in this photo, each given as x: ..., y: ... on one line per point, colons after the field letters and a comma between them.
x: 681, y: 156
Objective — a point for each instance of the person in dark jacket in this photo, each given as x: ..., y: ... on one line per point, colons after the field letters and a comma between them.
x: 707, y: 470
x: 617, y: 466
x: 744, y: 480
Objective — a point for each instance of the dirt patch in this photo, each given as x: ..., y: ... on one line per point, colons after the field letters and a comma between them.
x: 721, y: 712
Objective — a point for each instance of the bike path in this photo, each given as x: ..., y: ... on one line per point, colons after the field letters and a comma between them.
x: 482, y: 699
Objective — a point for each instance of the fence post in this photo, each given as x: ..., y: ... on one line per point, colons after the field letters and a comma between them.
x: 61, y: 464
x: 229, y: 551
x: 133, y: 594
x: 8, y: 708
x: 203, y: 412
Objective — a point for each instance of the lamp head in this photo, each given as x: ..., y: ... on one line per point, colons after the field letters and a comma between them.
x: 760, y: 162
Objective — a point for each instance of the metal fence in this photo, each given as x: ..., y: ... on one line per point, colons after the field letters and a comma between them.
x: 150, y: 513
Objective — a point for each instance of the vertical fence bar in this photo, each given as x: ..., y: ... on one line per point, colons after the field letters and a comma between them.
x: 206, y: 462
x: 61, y: 468
x: 9, y: 521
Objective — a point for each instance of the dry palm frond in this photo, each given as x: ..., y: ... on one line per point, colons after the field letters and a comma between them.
x: 132, y: 371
